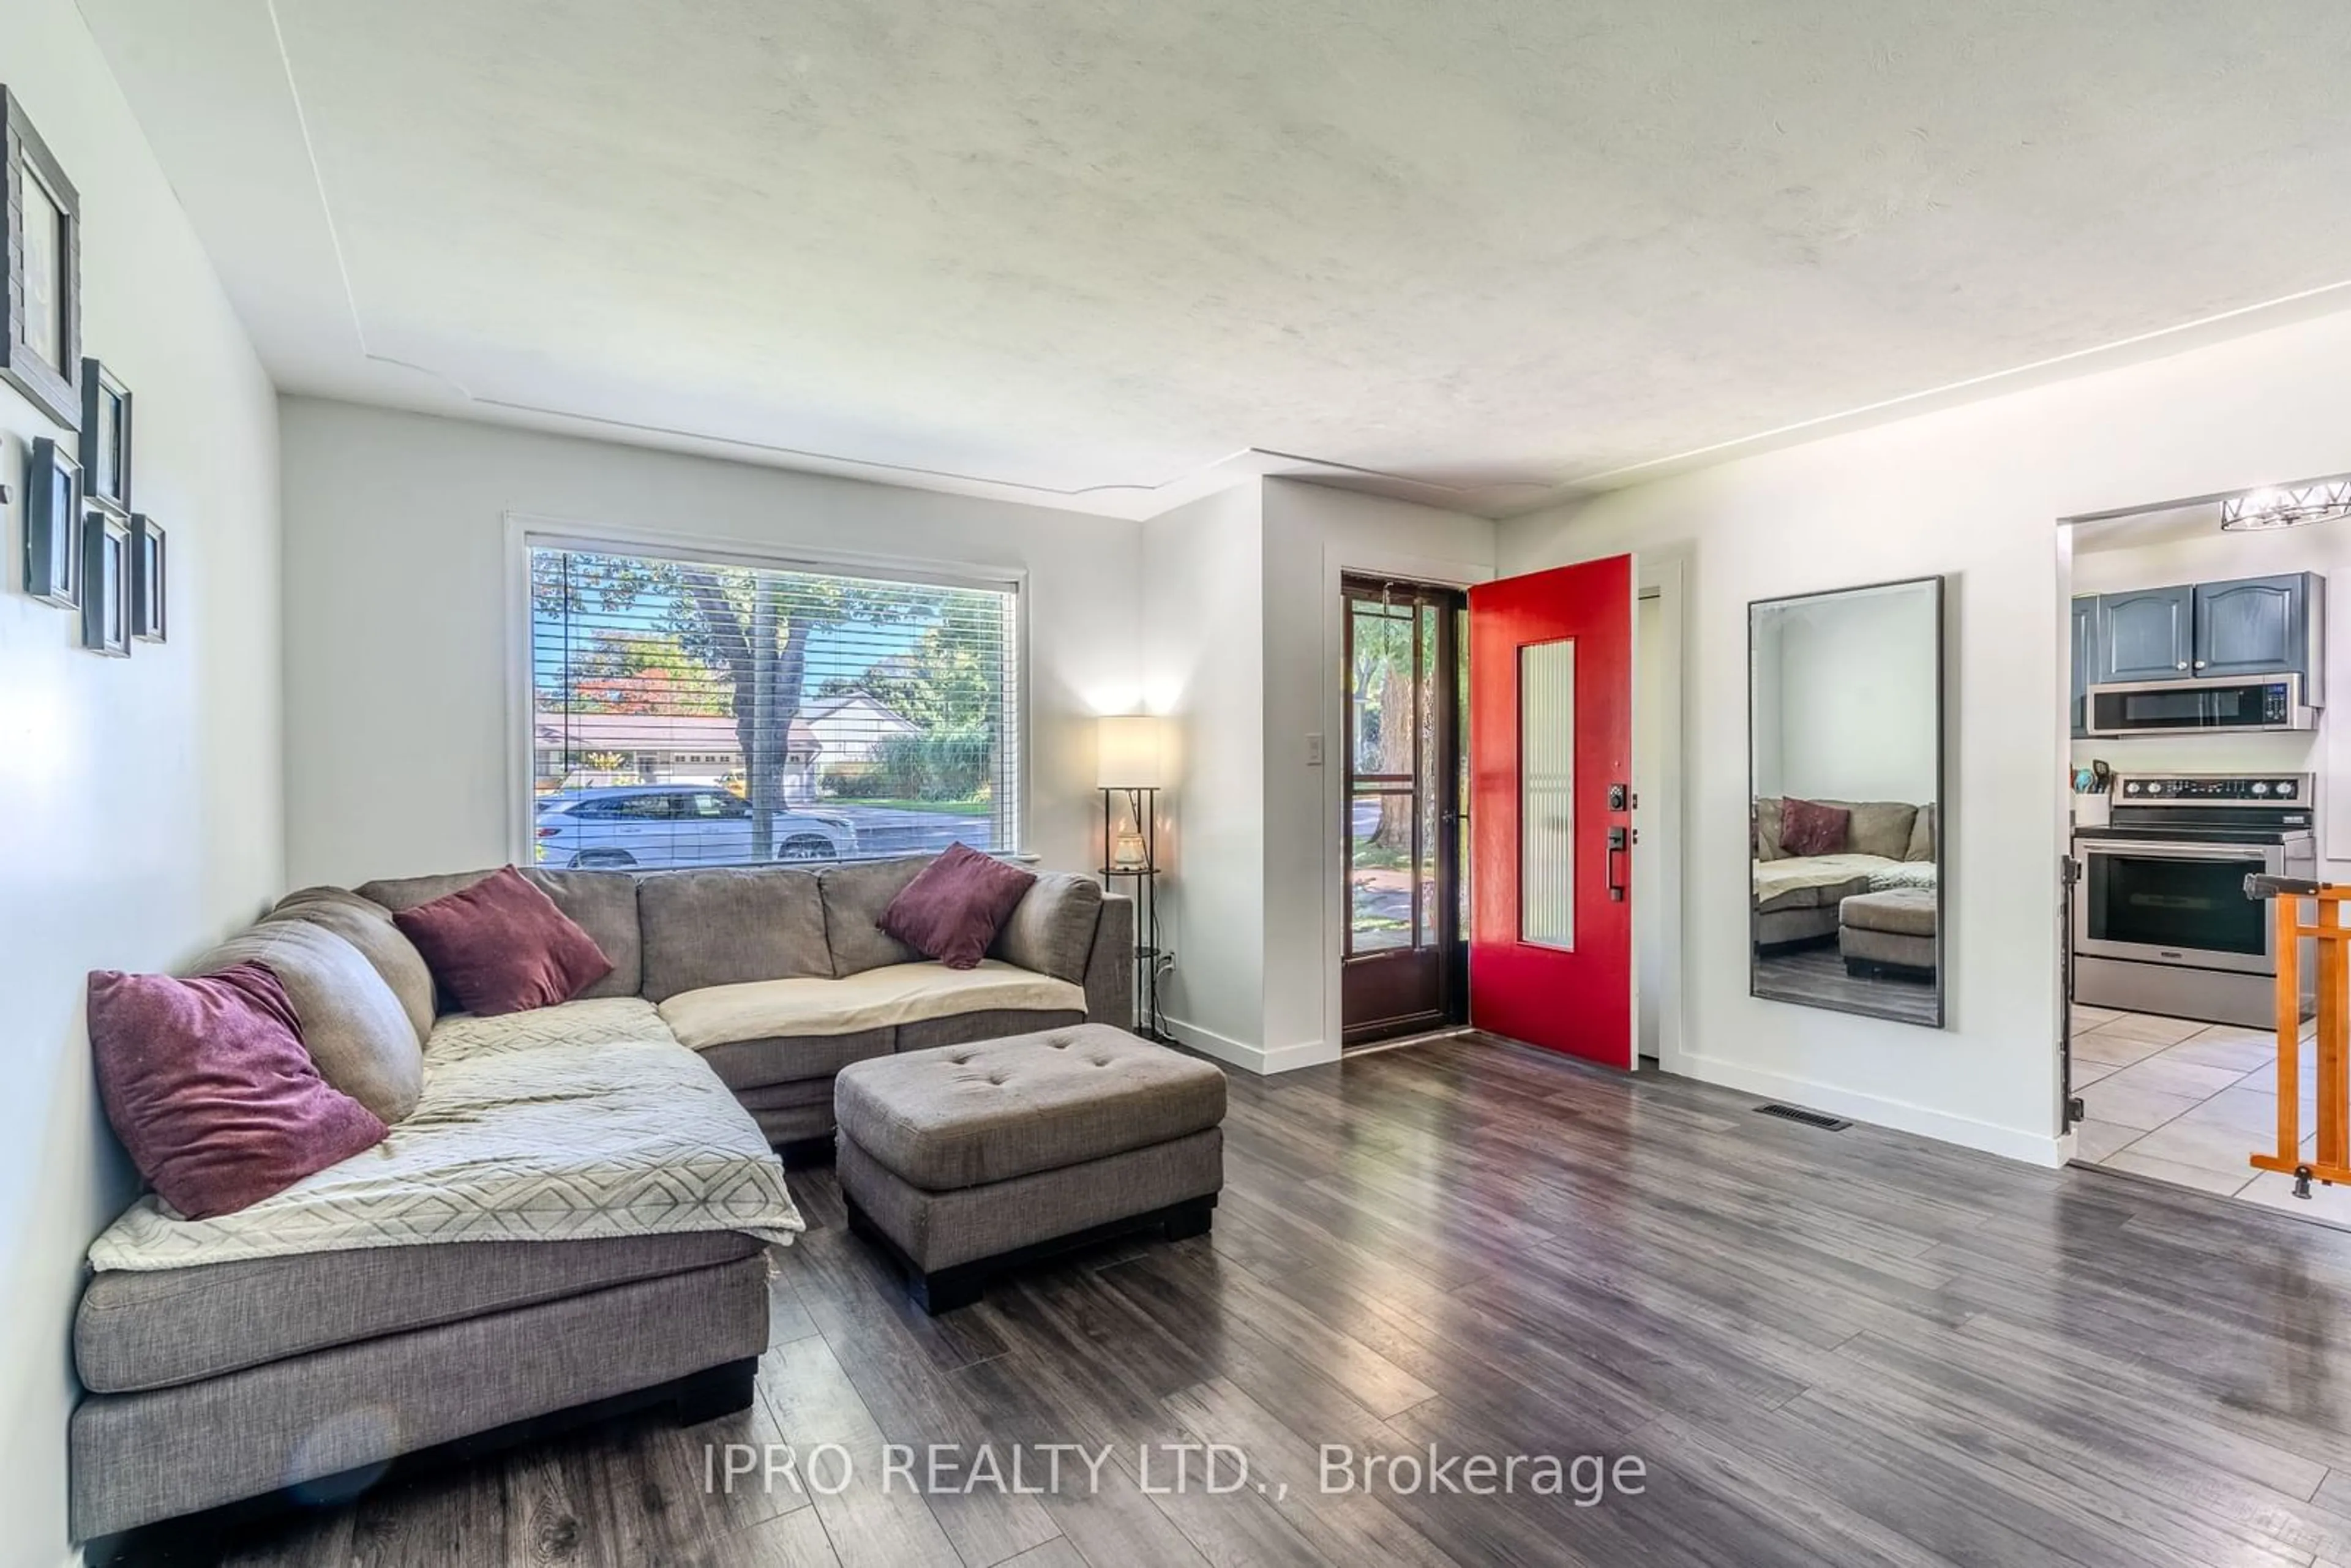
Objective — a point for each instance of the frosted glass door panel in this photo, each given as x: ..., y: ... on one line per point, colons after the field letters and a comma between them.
x: 1547, y: 794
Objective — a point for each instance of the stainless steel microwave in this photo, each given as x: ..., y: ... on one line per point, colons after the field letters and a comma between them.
x: 2227, y: 704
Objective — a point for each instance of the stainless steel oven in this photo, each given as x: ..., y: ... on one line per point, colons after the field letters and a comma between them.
x: 2166, y: 902
x: 2161, y: 923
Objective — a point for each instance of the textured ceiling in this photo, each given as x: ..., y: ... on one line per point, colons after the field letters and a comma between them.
x: 1502, y: 245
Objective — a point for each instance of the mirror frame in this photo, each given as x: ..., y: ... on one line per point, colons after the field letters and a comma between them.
x: 1943, y: 802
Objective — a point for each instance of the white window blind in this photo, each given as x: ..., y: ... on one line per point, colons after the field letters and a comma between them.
x: 693, y: 712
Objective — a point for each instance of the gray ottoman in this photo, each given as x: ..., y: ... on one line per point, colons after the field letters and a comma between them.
x: 963, y: 1160
x: 1889, y: 933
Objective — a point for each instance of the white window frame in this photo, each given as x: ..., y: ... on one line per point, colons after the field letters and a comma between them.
x: 529, y: 531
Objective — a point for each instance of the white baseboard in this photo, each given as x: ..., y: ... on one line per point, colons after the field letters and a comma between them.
x: 1304, y: 1053
x: 1257, y: 1059
x: 2010, y: 1143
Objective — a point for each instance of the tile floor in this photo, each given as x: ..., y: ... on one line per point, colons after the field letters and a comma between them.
x: 2187, y: 1102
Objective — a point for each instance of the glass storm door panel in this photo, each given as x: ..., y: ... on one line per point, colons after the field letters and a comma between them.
x: 1551, y: 810
x: 1401, y: 963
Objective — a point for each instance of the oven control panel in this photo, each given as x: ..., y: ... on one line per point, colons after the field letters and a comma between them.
x: 2214, y: 788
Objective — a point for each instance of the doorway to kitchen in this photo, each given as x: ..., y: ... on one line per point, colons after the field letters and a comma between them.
x: 1403, y: 959
x: 2201, y: 755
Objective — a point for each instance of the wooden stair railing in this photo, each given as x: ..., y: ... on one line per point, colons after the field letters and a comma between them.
x: 2330, y: 1160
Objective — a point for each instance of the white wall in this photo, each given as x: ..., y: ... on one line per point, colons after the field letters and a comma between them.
x: 1222, y: 615
x: 1313, y: 535
x: 1974, y: 491
x: 2194, y: 549
x: 1243, y: 647
x: 398, y: 616
x: 138, y: 799
x: 1204, y: 670
x: 1844, y: 701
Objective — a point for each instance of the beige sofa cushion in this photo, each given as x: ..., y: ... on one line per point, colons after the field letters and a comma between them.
x: 874, y: 999
x: 1922, y: 834
x: 1880, y: 828
x: 728, y: 925
x: 1886, y: 828
x: 1052, y: 929
x: 854, y: 897
x: 367, y: 925
x: 353, y: 1027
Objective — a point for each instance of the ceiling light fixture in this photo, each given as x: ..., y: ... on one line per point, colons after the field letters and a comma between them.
x: 2287, y: 506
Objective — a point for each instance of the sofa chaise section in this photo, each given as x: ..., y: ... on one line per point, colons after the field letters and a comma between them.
x: 574, y: 1213
x: 229, y: 1381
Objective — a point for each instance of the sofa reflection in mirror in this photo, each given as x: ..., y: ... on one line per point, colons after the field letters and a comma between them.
x: 1846, y: 799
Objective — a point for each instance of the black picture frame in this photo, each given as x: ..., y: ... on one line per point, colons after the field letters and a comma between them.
x: 106, y: 583
x: 151, y: 579
x: 52, y: 556
x: 105, y: 435
x: 40, y: 357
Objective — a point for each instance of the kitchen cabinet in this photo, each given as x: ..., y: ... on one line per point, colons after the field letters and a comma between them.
x: 2256, y: 625
x: 2246, y: 626
x: 2147, y: 634
x: 2086, y: 659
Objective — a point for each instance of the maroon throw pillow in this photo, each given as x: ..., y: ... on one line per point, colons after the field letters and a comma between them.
x: 502, y: 946
x: 208, y: 1086
x: 954, y: 907
x: 1809, y: 828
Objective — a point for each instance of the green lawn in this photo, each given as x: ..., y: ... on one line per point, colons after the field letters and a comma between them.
x: 943, y: 808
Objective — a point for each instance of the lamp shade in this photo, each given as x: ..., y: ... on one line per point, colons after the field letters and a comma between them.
x: 1127, y: 752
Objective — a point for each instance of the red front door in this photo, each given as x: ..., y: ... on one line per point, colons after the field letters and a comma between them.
x: 1550, y: 808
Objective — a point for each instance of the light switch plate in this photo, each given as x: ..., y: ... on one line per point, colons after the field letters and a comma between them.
x: 1314, y: 751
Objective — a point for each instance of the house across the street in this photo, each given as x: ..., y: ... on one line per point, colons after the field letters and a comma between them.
x: 852, y: 727
x: 584, y: 750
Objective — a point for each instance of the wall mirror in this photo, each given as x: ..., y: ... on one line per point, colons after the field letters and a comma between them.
x: 1844, y: 799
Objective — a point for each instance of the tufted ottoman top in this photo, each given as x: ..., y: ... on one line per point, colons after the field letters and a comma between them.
x: 1901, y: 911
x: 964, y: 1115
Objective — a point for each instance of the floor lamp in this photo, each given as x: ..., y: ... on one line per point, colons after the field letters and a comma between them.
x: 1128, y: 752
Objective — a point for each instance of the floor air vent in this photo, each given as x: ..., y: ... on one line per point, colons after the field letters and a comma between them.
x: 1809, y: 1118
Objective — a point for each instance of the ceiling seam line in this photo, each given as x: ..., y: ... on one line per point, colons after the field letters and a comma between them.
x: 319, y: 180
x: 948, y: 472
x: 832, y: 456
x: 1965, y: 383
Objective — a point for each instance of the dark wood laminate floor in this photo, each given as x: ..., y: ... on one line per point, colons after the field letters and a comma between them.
x: 1851, y: 1347
x: 1816, y: 977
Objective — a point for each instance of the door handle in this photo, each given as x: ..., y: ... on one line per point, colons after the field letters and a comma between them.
x: 1620, y: 849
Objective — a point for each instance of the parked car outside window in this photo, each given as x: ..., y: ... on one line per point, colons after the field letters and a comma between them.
x: 649, y: 826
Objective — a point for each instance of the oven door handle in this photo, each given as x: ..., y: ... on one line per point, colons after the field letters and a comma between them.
x: 2179, y: 852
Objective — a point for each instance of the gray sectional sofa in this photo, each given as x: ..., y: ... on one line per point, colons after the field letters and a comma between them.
x: 1888, y: 845
x: 776, y: 976
x: 224, y: 1381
